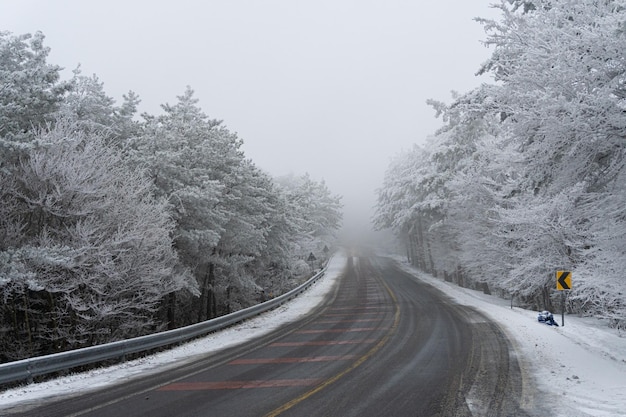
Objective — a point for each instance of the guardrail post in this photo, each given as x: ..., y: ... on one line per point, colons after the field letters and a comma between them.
x: 29, y: 371
x: 122, y: 358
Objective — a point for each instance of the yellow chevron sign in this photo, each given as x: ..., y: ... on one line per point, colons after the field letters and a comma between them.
x: 563, y: 280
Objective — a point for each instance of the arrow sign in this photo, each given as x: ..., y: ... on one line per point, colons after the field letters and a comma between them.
x: 563, y: 280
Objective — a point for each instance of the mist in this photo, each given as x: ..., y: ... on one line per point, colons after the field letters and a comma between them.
x: 333, y: 89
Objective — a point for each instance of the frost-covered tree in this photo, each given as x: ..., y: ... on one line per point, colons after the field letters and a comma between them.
x: 30, y: 90
x: 111, y: 228
x: 92, y: 110
x: 245, y: 236
x: 317, y: 210
x: 86, y: 254
x: 399, y: 204
x: 563, y: 72
x: 231, y: 220
x: 275, y: 268
x: 562, y: 75
x: 198, y: 166
x: 527, y: 175
x: 422, y: 188
x: 88, y: 105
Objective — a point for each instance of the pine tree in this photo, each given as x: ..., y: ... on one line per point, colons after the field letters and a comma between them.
x: 86, y: 253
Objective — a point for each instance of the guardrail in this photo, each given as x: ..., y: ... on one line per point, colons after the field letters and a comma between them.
x: 27, y: 369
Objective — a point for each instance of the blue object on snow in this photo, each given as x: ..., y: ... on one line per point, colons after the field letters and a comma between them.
x: 547, y: 318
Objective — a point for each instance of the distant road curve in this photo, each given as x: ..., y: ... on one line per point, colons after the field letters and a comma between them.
x: 385, y: 344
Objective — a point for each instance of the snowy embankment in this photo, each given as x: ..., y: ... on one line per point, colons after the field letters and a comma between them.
x: 582, y: 364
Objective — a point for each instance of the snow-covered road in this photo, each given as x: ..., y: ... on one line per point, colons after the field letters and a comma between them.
x: 582, y: 365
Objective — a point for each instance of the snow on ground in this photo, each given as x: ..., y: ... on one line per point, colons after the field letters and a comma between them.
x: 582, y: 365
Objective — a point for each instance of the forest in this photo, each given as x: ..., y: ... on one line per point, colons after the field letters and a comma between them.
x: 115, y: 224
x: 527, y: 175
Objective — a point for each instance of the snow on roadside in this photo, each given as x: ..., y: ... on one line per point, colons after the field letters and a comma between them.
x: 582, y: 365
x: 29, y: 395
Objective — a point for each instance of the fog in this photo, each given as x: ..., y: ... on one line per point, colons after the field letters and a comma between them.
x: 330, y: 88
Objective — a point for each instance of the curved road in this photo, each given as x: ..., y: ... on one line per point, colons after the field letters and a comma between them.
x: 385, y: 344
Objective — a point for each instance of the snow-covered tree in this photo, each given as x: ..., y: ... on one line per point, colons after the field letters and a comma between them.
x: 562, y: 75
x: 92, y: 110
x: 317, y: 210
x: 86, y: 249
x: 527, y: 175
x: 403, y: 188
x: 275, y: 267
x: 30, y: 90
x: 108, y: 225
x: 197, y: 165
x: 425, y: 186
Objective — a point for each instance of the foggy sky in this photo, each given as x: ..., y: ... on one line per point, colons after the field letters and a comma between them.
x: 334, y: 88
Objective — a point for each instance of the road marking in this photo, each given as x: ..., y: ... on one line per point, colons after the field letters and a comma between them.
x: 348, y: 330
x: 254, y: 361
x: 334, y: 321
x: 352, y: 367
x: 224, y: 385
x: 350, y: 314
x: 323, y: 343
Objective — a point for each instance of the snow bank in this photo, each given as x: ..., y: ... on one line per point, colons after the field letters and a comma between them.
x: 582, y: 365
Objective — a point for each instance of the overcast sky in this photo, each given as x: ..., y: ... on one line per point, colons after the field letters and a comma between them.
x: 334, y: 88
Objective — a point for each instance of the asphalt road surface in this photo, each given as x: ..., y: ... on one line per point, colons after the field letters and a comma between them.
x: 384, y: 344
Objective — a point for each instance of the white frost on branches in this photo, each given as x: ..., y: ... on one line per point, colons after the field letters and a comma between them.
x: 528, y: 174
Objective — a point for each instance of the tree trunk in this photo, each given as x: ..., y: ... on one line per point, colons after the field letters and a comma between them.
x: 212, y: 303
x: 414, y: 259
x: 171, y: 310
x: 204, y: 296
x: 27, y: 323
x: 228, y: 292
x: 547, y: 302
x: 425, y: 257
x: 428, y: 255
x: 419, y: 247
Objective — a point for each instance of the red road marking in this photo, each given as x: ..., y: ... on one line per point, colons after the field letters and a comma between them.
x: 354, y: 329
x: 209, y: 385
x: 290, y: 360
x: 323, y: 342
x: 346, y: 320
x: 349, y: 314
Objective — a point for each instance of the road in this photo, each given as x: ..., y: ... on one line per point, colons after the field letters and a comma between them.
x: 384, y: 344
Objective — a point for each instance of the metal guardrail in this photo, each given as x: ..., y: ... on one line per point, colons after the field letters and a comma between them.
x: 27, y: 369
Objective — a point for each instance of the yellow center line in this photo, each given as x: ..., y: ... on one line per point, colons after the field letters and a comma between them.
x: 352, y: 367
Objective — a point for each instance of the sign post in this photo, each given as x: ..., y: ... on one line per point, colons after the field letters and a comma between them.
x: 563, y: 284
